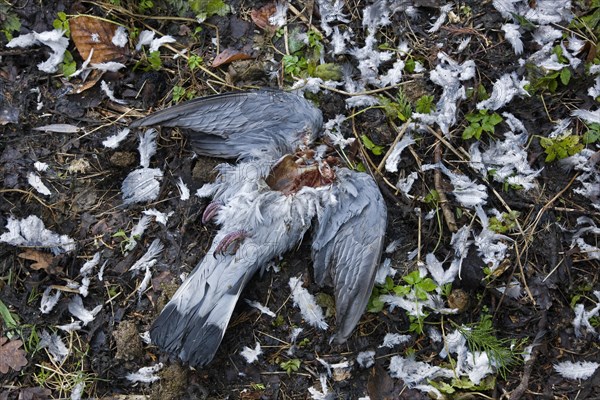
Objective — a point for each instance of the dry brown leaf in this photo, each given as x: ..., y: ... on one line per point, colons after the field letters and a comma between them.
x: 41, y: 260
x: 229, y: 55
x: 261, y: 17
x: 92, y: 33
x: 11, y: 355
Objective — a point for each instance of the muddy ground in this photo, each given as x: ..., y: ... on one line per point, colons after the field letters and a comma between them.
x: 86, y: 204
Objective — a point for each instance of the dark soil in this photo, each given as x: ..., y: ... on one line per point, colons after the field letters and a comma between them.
x: 86, y: 204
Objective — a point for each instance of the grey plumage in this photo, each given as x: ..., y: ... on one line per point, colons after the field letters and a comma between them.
x: 267, y: 203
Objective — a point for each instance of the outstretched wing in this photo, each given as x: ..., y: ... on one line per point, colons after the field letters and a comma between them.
x: 261, y: 123
x: 347, y: 246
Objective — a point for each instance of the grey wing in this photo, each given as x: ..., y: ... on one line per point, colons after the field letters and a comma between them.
x: 243, y: 124
x: 347, y: 246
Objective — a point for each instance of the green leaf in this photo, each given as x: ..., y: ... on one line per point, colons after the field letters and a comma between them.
x: 424, y: 104
x: 328, y: 72
x: 69, y: 66
x: 412, y: 278
x: 473, y: 130
x: 428, y: 285
x: 495, y: 119
x: 10, y: 320
x: 402, y: 290
x: 368, y: 143
x: 565, y: 76
x: 208, y: 8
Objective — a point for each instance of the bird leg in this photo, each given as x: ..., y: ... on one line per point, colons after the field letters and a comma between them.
x: 231, y: 239
x: 210, y: 211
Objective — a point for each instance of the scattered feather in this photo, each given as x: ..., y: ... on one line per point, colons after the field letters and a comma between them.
x: 385, y: 270
x: 183, y: 190
x: 144, y: 39
x: 331, y: 10
x: 36, y: 182
x: 505, y: 89
x: 89, y: 265
x: 394, y: 339
x: 582, y: 317
x: 437, y: 272
x: 147, y: 146
x: 576, y: 370
x: 77, y: 391
x: 73, y: 326
x: 444, y: 10
x: 406, y: 184
x: 110, y: 94
x: 54, y: 39
x: 448, y: 74
x: 40, y: 166
x: 413, y: 372
x: 145, y: 374
x: 588, y: 116
x: 146, y: 281
x: 109, y: 66
x: 160, y: 217
x: 279, y: 17
x: 120, y: 38
x: 30, y: 232
x: 391, y: 164
x: 366, y: 359
x: 513, y: 36
x: 467, y: 193
x: 251, y: 355
x: 141, y: 185
x: 145, y: 336
x: 261, y: 308
x: 113, y: 142
x: 58, y: 128
x: 322, y: 394
x: 77, y: 309
x: 310, y: 310
x: 155, y: 44
x: 49, y: 301
x: 148, y: 259
x: 55, y: 346
x: 333, y: 130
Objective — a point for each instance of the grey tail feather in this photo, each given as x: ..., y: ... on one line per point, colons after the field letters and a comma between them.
x: 192, y: 336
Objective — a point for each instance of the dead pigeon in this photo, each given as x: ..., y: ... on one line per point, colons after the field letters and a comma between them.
x: 264, y: 205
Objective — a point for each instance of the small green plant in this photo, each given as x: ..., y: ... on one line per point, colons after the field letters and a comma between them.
x: 10, y: 22
x: 68, y: 66
x: 278, y: 321
x: 424, y: 104
x: 207, y: 8
x: 561, y: 147
x: 372, y: 147
x: 417, y: 284
x: 194, y: 62
x: 592, y: 135
x: 481, y: 336
x: 290, y: 366
x: 154, y: 61
x: 479, y: 122
x: 294, y: 65
x: 62, y: 23
x: 304, y: 342
x: 181, y: 93
x: 257, y: 386
x: 145, y: 5
x: 398, y: 108
x: 506, y: 223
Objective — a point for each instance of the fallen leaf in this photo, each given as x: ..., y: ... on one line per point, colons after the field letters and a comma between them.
x: 261, y: 17
x: 41, y: 260
x: 92, y: 33
x: 11, y: 355
x: 229, y: 55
